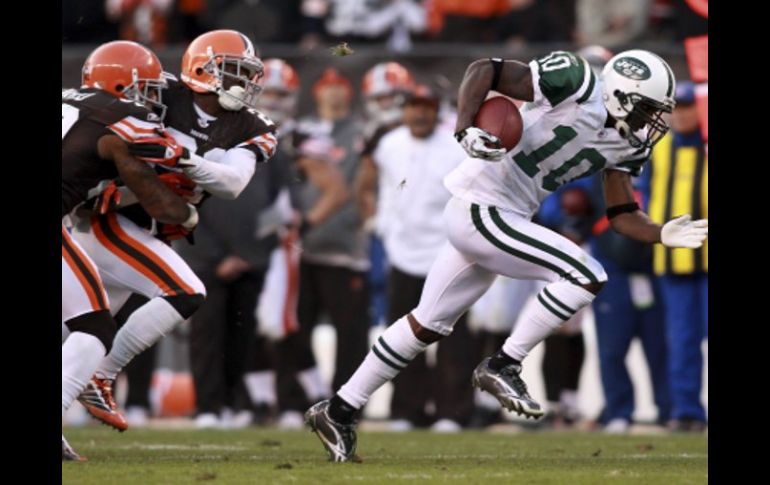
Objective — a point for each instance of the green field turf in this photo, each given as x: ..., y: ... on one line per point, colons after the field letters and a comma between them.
x: 271, y: 456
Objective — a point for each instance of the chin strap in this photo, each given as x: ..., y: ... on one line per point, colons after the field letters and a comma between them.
x: 623, y: 129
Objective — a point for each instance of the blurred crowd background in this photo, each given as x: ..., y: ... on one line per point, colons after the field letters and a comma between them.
x: 351, y: 70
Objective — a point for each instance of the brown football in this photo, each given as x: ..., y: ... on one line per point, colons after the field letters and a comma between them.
x: 500, y: 117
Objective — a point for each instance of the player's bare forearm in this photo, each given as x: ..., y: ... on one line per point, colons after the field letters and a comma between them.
x: 365, y: 188
x: 619, y: 191
x: 158, y: 200
x: 515, y: 81
x: 330, y: 182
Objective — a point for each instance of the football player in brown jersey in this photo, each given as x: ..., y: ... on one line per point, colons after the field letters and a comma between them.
x: 119, y: 103
x: 211, y: 113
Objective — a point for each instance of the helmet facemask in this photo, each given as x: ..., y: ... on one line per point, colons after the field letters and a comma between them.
x: 385, y: 108
x: 644, y: 117
x: 147, y: 92
x: 237, y: 80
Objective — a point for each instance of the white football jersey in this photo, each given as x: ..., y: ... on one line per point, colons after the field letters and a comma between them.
x: 564, y: 138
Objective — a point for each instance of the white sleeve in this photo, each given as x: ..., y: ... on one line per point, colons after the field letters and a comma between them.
x: 226, y: 178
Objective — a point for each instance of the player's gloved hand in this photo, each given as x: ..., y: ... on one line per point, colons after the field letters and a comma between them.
x: 683, y: 232
x: 108, y: 200
x: 162, y: 149
x: 479, y: 144
x: 179, y: 183
x: 172, y: 232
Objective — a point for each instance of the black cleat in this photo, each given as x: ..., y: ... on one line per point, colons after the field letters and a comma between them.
x: 508, y: 387
x: 338, y: 439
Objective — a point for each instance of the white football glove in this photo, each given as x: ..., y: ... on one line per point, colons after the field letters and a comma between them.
x: 683, y: 232
x: 474, y: 142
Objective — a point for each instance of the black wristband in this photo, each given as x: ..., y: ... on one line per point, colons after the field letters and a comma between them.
x: 616, y: 210
x: 304, y: 226
x: 497, y: 66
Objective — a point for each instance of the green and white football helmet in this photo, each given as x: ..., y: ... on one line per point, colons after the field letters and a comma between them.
x: 637, y: 88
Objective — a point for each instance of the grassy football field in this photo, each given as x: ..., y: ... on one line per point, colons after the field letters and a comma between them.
x: 270, y: 456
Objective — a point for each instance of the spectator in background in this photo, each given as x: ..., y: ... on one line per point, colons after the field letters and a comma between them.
x: 464, y: 21
x: 276, y: 312
x: 334, y: 262
x: 262, y: 21
x: 385, y: 88
x: 143, y: 21
x: 232, y: 263
x: 611, y: 22
x: 538, y: 21
x: 410, y: 163
x: 86, y: 22
x: 391, y: 21
x: 679, y: 185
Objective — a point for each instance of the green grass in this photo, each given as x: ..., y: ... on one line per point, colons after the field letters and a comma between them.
x: 271, y: 456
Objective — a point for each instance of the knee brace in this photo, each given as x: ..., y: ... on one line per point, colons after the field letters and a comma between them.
x: 185, y: 304
x: 100, y: 324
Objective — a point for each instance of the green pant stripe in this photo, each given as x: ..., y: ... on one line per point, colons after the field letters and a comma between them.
x: 385, y: 359
x: 391, y: 351
x: 521, y: 237
x: 553, y: 299
x: 550, y: 308
x: 476, y: 217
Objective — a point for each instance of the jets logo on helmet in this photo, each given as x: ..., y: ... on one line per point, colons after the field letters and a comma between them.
x: 637, y: 88
x: 632, y: 68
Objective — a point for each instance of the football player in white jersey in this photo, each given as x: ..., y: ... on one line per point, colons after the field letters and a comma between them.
x: 575, y: 124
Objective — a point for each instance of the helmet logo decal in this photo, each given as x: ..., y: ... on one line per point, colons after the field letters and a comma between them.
x: 632, y: 68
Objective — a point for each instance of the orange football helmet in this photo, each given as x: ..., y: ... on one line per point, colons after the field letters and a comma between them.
x: 385, y: 88
x: 224, y: 62
x: 280, y: 90
x: 127, y: 70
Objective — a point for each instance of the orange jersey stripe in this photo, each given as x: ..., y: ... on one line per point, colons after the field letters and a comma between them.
x: 112, y: 220
x: 88, y: 287
x: 102, y: 238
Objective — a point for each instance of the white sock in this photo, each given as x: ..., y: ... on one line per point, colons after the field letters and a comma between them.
x: 313, y: 384
x: 555, y: 304
x: 80, y: 355
x: 148, y: 324
x: 261, y: 387
x: 392, y: 352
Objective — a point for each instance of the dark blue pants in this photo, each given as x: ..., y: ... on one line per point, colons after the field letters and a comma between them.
x: 618, y: 321
x: 686, y: 300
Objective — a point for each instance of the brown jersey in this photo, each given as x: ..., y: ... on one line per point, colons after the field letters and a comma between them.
x: 87, y: 115
x: 246, y: 128
x: 209, y: 138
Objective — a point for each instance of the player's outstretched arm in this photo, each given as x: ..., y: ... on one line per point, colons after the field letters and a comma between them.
x: 628, y: 219
x: 159, y: 202
x: 225, y: 179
